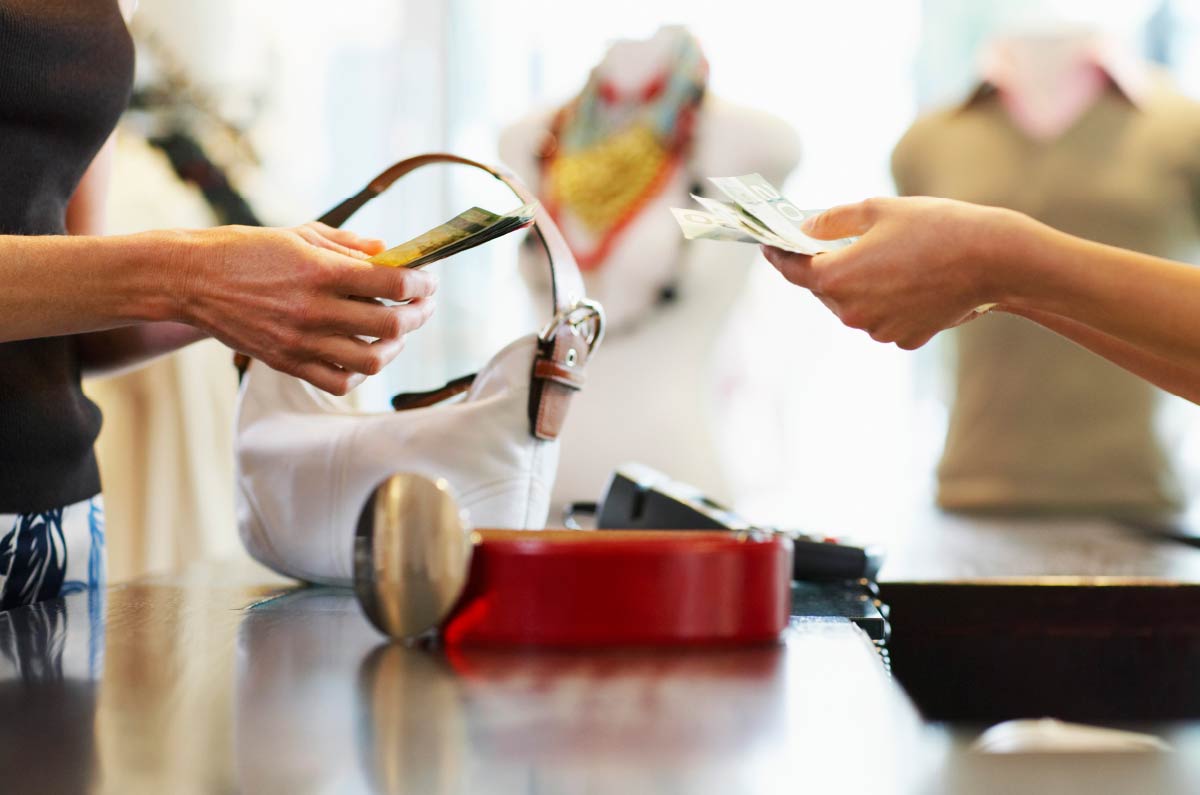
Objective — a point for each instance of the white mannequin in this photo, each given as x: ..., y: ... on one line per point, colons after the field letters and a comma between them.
x: 650, y: 389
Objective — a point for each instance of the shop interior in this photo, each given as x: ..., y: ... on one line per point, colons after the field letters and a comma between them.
x: 1017, y: 608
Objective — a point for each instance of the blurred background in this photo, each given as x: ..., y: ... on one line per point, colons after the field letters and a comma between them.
x: 296, y: 104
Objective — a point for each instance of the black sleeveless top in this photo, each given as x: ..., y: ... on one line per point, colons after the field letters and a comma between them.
x: 66, y: 68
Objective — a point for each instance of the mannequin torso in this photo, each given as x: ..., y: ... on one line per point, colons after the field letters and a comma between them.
x: 1039, y: 424
x: 648, y: 396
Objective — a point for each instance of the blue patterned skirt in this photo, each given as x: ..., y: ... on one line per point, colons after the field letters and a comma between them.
x: 51, y: 553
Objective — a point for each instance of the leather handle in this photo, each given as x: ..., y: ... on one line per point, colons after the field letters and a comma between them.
x: 564, y: 346
x: 565, y: 283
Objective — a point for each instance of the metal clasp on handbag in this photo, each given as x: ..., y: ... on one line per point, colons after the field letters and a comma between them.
x: 586, y: 317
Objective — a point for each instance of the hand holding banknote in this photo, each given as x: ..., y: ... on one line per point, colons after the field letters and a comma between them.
x: 807, y: 246
x: 920, y: 265
x: 368, y: 336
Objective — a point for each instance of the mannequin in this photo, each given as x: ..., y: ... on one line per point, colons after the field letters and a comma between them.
x: 648, y: 393
x: 1047, y: 81
x: 1064, y: 130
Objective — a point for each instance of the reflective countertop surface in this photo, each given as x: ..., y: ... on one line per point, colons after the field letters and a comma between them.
x: 204, y: 684
x: 195, y: 687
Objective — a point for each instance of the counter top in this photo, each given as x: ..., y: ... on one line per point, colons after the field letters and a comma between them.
x: 194, y: 687
x: 220, y: 682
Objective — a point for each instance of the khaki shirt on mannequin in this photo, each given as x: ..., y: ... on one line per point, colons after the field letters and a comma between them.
x: 1038, y: 423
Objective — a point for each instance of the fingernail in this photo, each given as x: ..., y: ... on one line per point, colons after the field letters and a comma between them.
x: 809, y: 224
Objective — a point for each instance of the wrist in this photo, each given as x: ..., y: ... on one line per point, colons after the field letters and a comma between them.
x: 1009, y: 257
x: 136, y: 291
x: 169, y: 260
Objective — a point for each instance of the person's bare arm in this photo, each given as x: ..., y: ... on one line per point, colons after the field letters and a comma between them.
x: 289, y: 297
x: 923, y: 265
x: 119, y: 349
x: 1179, y: 378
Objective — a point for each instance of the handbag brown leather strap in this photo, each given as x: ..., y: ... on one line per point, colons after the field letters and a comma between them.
x: 567, y: 341
x: 566, y: 284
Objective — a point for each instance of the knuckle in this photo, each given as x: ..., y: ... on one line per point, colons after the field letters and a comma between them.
x: 411, y: 284
x: 853, y: 318
x: 873, y: 207
x: 303, y: 315
x: 390, y: 326
x: 828, y: 281
x: 793, y: 275
x: 288, y: 366
x: 340, y: 384
x: 373, y: 364
x: 398, y: 290
x: 819, y: 281
x: 300, y: 237
x: 290, y: 340
x: 317, y: 275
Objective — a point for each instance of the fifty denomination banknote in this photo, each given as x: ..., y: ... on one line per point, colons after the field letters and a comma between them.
x: 465, y: 230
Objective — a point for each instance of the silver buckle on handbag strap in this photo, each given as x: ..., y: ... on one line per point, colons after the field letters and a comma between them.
x: 585, y: 317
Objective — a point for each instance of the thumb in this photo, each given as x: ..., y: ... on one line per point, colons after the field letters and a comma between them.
x: 846, y: 220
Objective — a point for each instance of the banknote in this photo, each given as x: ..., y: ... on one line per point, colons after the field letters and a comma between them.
x: 765, y: 202
x: 705, y: 226
x: 466, y: 230
x: 734, y: 215
x: 758, y: 210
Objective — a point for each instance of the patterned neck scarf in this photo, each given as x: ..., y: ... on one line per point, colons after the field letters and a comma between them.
x: 608, y: 154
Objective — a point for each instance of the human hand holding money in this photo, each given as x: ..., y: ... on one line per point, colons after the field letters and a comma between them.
x: 759, y: 213
x: 920, y: 265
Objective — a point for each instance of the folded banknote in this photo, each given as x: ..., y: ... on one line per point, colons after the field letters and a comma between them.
x: 756, y: 213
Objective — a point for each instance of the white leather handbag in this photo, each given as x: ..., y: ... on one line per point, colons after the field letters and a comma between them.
x: 306, y: 465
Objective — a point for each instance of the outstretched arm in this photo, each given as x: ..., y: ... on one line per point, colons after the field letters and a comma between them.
x: 923, y: 265
x: 289, y: 297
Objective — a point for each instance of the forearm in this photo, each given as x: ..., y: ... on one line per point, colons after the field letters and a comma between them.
x: 1181, y: 378
x: 56, y: 285
x: 112, y: 352
x: 1149, y: 304
x: 116, y: 350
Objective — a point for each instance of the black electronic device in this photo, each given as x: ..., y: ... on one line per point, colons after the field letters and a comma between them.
x: 638, y: 497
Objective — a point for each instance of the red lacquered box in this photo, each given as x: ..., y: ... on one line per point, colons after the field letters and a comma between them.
x: 636, y: 588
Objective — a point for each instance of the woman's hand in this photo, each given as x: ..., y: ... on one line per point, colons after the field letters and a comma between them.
x: 299, y: 299
x: 921, y: 265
